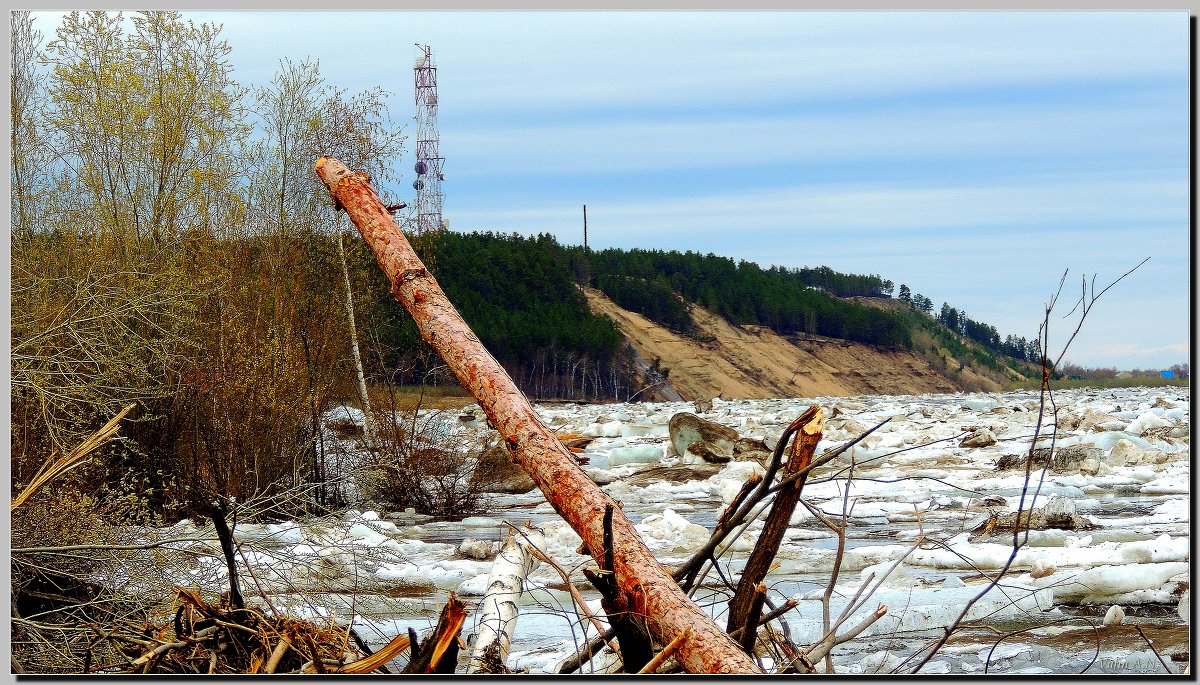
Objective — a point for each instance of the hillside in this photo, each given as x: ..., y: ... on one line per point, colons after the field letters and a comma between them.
x: 714, y: 323
x: 966, y: 363
x: 755, y: 362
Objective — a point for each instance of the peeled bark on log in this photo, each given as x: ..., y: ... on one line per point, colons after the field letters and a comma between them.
x: 500, y: 606
x: 648, y: 589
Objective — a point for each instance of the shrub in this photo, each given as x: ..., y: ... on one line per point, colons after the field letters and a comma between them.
x: 421, y: 460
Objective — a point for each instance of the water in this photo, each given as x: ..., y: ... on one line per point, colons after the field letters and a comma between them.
x: 404, y: 575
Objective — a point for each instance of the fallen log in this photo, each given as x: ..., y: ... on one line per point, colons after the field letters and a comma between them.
x: 647, y: 589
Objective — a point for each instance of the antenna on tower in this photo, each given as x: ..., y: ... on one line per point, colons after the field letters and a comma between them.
x: 429, y: 161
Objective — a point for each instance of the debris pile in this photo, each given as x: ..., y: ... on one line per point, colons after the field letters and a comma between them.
x: 213, y: 638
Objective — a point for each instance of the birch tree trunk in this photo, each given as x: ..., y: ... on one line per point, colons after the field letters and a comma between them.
x: 363, y: 398
x: 646, y: 587
x: 500, y: 606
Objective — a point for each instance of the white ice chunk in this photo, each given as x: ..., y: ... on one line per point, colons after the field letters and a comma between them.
x: 473, y: 587
x: 669, y: 532
x: 1094, y: 584
x: 637, y: 454
x: 1108, y: 439
x: 610, y: 429
x: 481, y: 522
x: 637, y: 430
x: 980, y: 403
x: 1177, y: 485
x: 1161, y: 549
x: 1146, y: 421
x: 858, y: 558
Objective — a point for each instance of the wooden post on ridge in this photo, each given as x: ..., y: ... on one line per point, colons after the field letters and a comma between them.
x: 647, y: 588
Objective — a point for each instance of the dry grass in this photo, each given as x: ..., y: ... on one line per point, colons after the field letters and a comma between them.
x: 409, y: 397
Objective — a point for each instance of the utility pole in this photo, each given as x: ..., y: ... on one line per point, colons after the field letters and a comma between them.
x: 586, y: 276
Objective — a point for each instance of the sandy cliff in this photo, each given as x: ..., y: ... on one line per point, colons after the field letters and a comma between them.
x: 755, y: 362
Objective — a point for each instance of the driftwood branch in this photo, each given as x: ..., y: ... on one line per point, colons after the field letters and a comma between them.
x: 748, y: 502
x: 438, y: 653
x: 647, y: 589
x: 661, y: 658
x: 809, y: 427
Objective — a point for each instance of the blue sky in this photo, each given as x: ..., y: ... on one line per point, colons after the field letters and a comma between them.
x: 973, y: 156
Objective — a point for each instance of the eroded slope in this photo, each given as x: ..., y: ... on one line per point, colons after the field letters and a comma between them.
x: 753, y: 362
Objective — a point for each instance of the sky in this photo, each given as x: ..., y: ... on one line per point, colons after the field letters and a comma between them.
x: 973, y: 156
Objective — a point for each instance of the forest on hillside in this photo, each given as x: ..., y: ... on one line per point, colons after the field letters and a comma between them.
x: 789, y: 301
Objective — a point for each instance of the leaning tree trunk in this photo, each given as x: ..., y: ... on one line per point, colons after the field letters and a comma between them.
x: 646, y: 588
x: 742, y: 611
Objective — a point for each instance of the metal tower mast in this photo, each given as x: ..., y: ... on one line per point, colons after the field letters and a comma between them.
x: 429, y: 162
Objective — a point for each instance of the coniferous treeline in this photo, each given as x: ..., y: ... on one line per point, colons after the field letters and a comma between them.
x: 1013, y: 346
x: 520, y: 297
x: 786, y: 300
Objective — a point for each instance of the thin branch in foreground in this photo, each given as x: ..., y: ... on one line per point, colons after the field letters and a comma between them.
x: 666, y: 652
x: 574, y: 592
x: 1152, y: 649
x: 1045, y: 393
x: 76, y: 458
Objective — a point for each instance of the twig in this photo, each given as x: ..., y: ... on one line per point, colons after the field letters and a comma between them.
x: 106, y: 548
x: 666, y: 652
x: 76, y: 458
x: 168, y: 646
x: 770, y: 616
x: 823, y: 647
x: 1046, y: 393
x: 988, y: 661
x: 687, y: 570
x: 1087, y: 305
x: 250, y: 569
x: 317, y: 662
x: 837, y: 563
x: 1152, y: 649
x: 277, y: 654
x: 578, y: 598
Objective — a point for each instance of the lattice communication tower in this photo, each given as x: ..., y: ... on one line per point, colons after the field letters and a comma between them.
x: 429, y: 161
